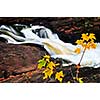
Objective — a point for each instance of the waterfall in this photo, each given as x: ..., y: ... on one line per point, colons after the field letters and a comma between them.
x: 54, y: 46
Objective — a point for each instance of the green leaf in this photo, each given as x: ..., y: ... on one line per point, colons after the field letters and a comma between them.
x: 41, y: 63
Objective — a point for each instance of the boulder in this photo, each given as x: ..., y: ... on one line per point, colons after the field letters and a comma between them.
x: 15, y: 59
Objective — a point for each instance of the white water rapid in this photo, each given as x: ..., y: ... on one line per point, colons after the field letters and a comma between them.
x: 54, y: 46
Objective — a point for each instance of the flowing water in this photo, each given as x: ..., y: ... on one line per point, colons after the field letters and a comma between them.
x: 54, y: 46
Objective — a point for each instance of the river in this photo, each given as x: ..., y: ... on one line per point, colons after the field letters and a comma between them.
x: 43, y: 36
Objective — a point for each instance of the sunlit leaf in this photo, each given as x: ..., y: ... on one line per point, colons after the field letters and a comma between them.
x: 59, y: 76
x: 80, y: 80
x: 47, y: 56
x: 77, y: 50
x: 85, y: 36
x: 47, y: 73
x: 92, y: 36
x: 41, y: 63
x: 79, y: 42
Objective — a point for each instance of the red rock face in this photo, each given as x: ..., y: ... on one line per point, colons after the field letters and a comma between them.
x: 19, y: 58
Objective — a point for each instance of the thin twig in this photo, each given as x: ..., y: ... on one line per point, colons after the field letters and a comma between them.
x: 77, y: 71
x: 82, y: 56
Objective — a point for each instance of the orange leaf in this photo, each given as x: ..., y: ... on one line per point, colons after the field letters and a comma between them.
x: 77, y: 66
x: 77, y: 50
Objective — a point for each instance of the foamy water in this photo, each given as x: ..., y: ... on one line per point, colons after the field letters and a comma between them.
x: 53, y: 45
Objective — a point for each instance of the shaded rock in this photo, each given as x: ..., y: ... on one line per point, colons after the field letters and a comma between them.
x: 19, y: 58
x: 37, y: 76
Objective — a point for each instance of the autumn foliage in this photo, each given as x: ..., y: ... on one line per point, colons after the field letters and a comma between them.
x: 49, y: 67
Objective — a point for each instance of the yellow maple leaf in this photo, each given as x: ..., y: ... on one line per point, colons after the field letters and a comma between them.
x: 92, y: 36
x: 47, y: 56
x: 93, y: 45
x: 79, y: 80
x: 51, y: 65
x: 88, y: 45
x: 84, y: 44
x: 59, y: 76
x: 48, y: 60
x: 77, y: 50
x: 85, y: 36
x: 79, y: 42
x: 47, y: 73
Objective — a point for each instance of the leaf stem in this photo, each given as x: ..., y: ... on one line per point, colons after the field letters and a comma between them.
x: 82, y: 55
x: 77, y: 71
